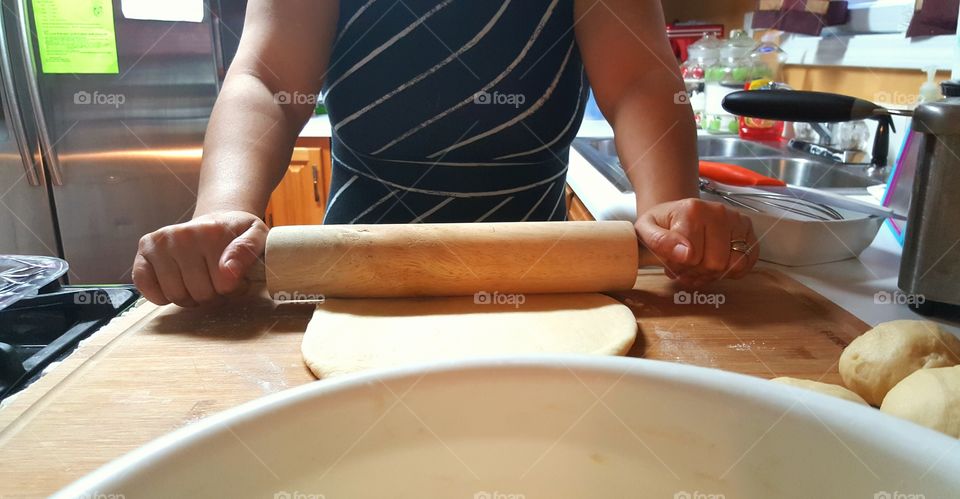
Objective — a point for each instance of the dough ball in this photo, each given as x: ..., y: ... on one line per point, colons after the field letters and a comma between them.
x: 929, y: 397
x: 824, y: 388
x: 877, y: 360
x: 347, y: 336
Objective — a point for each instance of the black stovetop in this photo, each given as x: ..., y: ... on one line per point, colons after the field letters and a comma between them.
x: 41, y: 329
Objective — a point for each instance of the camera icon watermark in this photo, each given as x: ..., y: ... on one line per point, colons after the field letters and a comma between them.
x: 681, y: 98
x: 84, y: 98
x: 487, y: 98
x: 296, y: 296
x: 715, y: 300
x: 516, y: 300
x: 896, y: 494
x: 285, y: 98
x: 496, y: 494
x: 898, y: 298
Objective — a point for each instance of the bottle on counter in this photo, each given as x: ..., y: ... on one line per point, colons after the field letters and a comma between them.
x: 733, y: 72
x: 757, y: 128
x: 703, y: 54
x: 767, y: 59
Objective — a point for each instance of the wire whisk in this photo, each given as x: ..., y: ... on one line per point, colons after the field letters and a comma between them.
x: 786, y: 202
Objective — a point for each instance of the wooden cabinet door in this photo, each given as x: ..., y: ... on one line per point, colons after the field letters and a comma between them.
x: 576, y: 211
x: 301, y: 197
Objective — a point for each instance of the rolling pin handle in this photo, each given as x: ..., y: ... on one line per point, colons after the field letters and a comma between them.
x: 257, y: 272
x: 647, y: 258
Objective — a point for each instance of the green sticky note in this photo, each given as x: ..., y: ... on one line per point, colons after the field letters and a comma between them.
x: 76, y: 36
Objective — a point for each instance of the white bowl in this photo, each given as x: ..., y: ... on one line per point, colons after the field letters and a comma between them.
x: 540, y: 427
x: 792, y: 240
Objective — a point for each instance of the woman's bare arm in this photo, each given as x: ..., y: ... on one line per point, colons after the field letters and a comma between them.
x: 637, y: 84
x: 266, y: 99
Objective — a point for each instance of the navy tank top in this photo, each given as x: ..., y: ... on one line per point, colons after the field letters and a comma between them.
x: 452, y: 110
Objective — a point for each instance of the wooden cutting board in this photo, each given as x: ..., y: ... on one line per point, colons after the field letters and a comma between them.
x: 157, y: 369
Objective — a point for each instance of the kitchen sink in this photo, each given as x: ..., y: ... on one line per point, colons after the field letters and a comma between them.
x: 732, y: 147
x: 771, y: 159
x: 805, y: 172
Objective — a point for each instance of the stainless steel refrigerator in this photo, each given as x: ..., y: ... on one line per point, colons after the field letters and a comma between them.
x: 91, y: 162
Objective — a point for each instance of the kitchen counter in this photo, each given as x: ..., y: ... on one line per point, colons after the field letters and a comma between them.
x: 156, y: 369
x: 318, y: 127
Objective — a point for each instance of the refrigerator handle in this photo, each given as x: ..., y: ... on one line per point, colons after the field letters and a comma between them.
x: 33, y: 90
x: 12, y: 109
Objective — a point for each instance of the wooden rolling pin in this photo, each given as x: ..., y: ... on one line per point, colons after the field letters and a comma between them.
x: 380, y: 261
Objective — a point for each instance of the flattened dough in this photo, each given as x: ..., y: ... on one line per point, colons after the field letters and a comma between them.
x: 351, y: 335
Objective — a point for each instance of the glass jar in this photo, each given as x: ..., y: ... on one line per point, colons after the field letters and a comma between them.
x: 733, y: 72
x: 703, y: 54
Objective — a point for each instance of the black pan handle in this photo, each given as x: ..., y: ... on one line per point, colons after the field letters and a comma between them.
x: 796, y: 105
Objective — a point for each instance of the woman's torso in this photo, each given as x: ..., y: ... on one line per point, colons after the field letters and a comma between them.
x: 452, y: 110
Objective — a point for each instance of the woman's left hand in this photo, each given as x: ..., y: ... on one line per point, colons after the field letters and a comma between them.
x: 699, y: 241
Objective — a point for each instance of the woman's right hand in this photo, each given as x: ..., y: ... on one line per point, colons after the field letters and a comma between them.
x: 200, y: 261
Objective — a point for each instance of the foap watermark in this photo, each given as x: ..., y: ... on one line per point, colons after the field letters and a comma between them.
x: 497, y: 298
x: 101, y: 495
x: 484, y: 98
x: 92, y: 298
x: 296, y: 296
x: 496, y: 494
x: 682, y: 98
x: 898, y: 298
x: 296, y: 494
x: 696, y: 494
x: 896, y: 494
x: 84, y: 98
x: 896, y: 99
x: 715, y: 300
x: 295, y: 98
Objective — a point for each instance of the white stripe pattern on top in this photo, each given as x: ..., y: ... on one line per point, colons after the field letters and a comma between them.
x: 422, y: 76
x: 537, y: 204
x: 518, y: 118
x: 454, y: 194
x: 555, y: 205
x: 342, y: 188
x: 373, y: 206
x: 576, y: 111
x: 431, y: 211
x: 394, y: 39
x: 353, y: 18
x: 523, y: 53
x: 494, y: 210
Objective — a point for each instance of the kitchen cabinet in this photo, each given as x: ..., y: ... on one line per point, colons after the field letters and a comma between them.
x: 301, y: 197
x: 576, y: 210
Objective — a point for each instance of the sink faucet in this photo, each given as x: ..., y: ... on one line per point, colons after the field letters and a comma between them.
x: 877, y: 166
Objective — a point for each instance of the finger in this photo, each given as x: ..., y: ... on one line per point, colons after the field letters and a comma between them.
x: 145, y: 279
x: 754, y: 244
x: 688, y: 222
x: 240, y: 255
x: 739, y: 261
x: 196, y: 278
x: 716, y: 254
x: 668, y: 245
x: 171, y: 280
